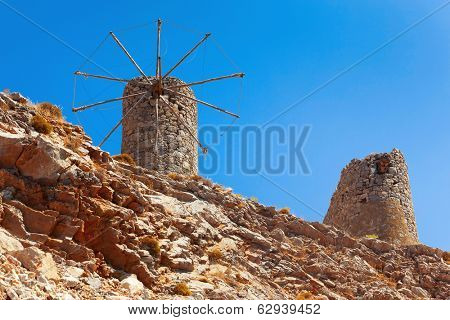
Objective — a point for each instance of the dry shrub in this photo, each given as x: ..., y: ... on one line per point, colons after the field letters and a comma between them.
x: 196, y: 177
x: 49, y: 110
x: 285, y: 210
x: 125, y: 158
x: 41, y: 125
x: 254, y: 199
x: 182, y: 289
x: 175, y: 176
x: 215, y: 253
x: 229, y: 204
x: 304, y: 295
x: 73, y: 143
x: 230, y: 278
x: 67, y: 130
x: 204, y: 279
x: 152, y: 245
x: 371, y: 236
x: 219, y: 274
x: 383, y: 278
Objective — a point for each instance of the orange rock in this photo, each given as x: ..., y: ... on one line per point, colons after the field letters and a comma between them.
x: 43, y: 161
x: 36, y: 221
x: 11, y: 146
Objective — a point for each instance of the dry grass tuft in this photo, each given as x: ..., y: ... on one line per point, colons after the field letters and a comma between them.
x: 152, y: 245
x: 196, y: 177
x: 175, y: 176
x: 304, y: 295
x: 72, y: 143
x: 383, y: 278
x: 285, y: 210
x: 182, y: 289
x: 371, y: 236
x: 125, y: 158
x: 241, y: 205
x: 203, y: 279
x: 41, y: 125
x: 67, y: 130
x: 215, y: 253
x: 49, y: 111
x: 254, y: 199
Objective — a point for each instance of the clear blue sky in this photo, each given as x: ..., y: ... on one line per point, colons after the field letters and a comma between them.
x: 397, y: 98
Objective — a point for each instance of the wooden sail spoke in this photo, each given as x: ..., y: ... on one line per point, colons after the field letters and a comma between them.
x: 234, y: 75
x: 129, y: 56
x: 204, y: 149
x: 158, y: 51
x: 120, y: 122
x: 187, y: 55
x: 106, y: 101
x: 203, y: 102
x: 89, y: 75
x: 155, y: 88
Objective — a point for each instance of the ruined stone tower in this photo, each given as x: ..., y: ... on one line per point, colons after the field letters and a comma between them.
x: 373, y: 197
x: 175, y: 150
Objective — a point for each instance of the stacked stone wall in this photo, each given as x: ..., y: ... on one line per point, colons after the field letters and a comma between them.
x: 373, y: 197
x: 175, y: 150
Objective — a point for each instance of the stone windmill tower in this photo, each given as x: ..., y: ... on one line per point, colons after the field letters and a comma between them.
x: 159, y: 115
x: 373, y: 197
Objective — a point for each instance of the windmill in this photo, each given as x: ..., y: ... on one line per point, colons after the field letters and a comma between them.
x: 160, y: 110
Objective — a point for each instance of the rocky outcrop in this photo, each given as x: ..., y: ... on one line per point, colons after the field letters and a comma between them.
x: 89, y: 227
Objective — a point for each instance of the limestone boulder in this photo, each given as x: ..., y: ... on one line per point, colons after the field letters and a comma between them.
x: 43, y: 160
x: 278, y: 234
x: 71, y: 282
x: 200, y: 286
x: 36, y: 221
x: 253, y: 237
x: 37, y: 261
x: 179, y: 255
x: 8, y: 243
x: 11, y: 147
x: 74, y: 272
x: 132, y: 284
x: 227, y: 245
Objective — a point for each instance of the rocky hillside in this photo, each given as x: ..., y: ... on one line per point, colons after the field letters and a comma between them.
x: 77, y: 223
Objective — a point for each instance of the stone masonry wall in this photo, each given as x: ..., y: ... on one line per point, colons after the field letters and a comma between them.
x: 176, y: 150
x: 373, y: 197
